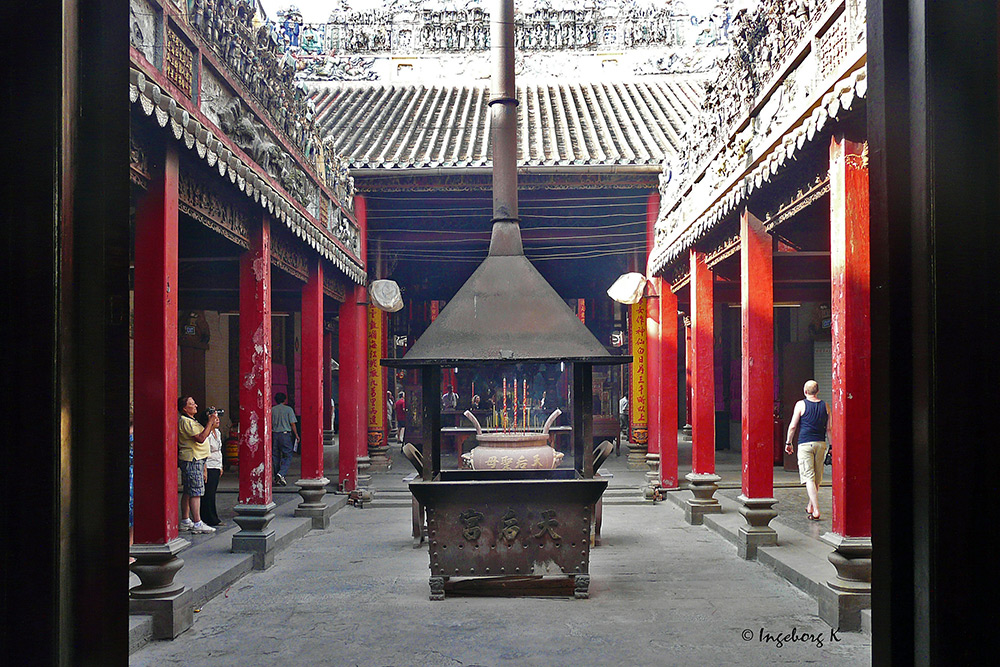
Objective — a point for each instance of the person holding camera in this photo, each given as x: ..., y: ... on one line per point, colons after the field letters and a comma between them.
x: 214, y: 467
x: 193, y: 451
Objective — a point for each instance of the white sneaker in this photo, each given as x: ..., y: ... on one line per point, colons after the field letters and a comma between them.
x: 202, y: 527
x: 186, y: 524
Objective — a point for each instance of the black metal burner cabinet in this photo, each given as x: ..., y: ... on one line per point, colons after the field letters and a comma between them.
x: 507, y: 528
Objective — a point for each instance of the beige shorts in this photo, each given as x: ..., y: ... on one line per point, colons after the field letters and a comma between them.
x: 810, y: 456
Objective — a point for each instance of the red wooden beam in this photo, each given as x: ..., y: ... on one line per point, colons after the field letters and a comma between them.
x: 850, y: 413
x: 702, y: 365
x: 313, y: 402
x: 155, y: 353
x: 255, y: 366
x: 758, y: 358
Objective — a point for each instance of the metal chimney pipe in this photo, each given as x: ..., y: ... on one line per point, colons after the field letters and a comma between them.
x: 506, y: 237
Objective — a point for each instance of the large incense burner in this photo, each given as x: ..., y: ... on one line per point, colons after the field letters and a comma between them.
x: 513, y: 450
x: 512, y: 515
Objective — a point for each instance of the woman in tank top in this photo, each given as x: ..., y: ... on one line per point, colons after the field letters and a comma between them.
x: 809, y: 420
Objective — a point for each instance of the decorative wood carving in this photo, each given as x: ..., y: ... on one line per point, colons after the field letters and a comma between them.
x: 201, y: 198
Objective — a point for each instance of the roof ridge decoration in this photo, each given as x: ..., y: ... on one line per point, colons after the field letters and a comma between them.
x: 755, y: 113
x: 155, y: 102
x: 354, y: 44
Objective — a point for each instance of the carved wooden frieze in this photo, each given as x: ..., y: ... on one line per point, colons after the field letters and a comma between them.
x: 334, y: 287
x: 138, y: 158
x: 203, y: 200
x: 288, y: 254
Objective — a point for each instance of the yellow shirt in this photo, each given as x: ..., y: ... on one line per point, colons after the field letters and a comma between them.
x: 191, y: 449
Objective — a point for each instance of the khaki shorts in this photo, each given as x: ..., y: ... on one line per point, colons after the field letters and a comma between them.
x: 810, y: 456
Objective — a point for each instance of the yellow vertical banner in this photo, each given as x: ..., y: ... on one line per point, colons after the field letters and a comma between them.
x: 637, y: 400
x: 376, y: 392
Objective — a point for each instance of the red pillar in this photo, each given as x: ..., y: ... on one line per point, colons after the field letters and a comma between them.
x: 688, y: 385
x: 702, y: 366
x: 669, y: 410
x: 757, y: 310
x: 653, y: 386
x: 757, y: 291
x: 327, y: 380
x: 155, y: 368
x: 353, y: 375
x: 255, y: 367
x: 702, y: 478
x: 653, y: 346
x: 313, y: 398
x: 850, y: 412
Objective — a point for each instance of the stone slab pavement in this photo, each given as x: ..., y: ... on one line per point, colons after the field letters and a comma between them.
x: 662, y: 592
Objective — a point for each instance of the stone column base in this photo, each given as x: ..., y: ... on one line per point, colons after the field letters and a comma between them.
x: 757, y: 532
x: 651, y: 489
x: 256, y: 535
x: 312, y: 505
x: 703, y: 486
x: 850, y: 591
x: 167, y: 601
x: 364, y: 471
x: 379, y: 457
x: 637, y: 455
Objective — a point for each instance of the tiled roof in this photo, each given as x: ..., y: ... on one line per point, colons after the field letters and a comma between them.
x: 559, y: 123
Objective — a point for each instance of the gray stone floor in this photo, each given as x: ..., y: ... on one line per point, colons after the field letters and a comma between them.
x: 662, y: 592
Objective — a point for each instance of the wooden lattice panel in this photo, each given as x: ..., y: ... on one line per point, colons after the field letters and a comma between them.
x: 178, y: 62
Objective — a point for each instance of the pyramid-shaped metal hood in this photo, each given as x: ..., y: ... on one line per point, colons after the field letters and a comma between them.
x: 506, y: 312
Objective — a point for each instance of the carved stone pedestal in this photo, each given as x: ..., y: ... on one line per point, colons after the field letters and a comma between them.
x: 637, y: 455
x: 757, y: 532
x: 364, y: 471
x: 256, y: 535
x: 851, y: 590
x: 379, y: 458
x: 703, y: 486
x: 312, y: 505
x: 652, y: 476
x: 167, y: 601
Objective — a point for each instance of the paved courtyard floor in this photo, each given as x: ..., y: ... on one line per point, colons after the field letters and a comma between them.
x: 662, y: 593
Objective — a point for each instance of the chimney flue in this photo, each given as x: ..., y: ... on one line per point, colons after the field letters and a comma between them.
x: 506, y: 237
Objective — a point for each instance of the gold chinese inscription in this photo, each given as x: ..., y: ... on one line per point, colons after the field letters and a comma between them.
x: 508, y: 526
x: 178, y: 62
x: 548, y: 524
x: 470, y: 520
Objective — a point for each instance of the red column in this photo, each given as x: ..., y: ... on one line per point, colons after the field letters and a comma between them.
x: 327, y: 380
x: 702, y: 366
x: 654, y: 429
x: 353, y: 403
x: 313, y: 401
x: 850, y: 412
x: 757, y: 395
x: 669, y: 410
x: 757, y: 291
x: 688, y: 385
x: 155, y: 353
x: 654, y: 376
x: 255, y: 367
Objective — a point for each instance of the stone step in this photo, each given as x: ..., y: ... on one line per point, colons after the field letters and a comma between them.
x: 140, y: 631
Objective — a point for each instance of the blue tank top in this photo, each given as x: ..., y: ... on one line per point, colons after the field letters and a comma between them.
x: 812, y: 425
